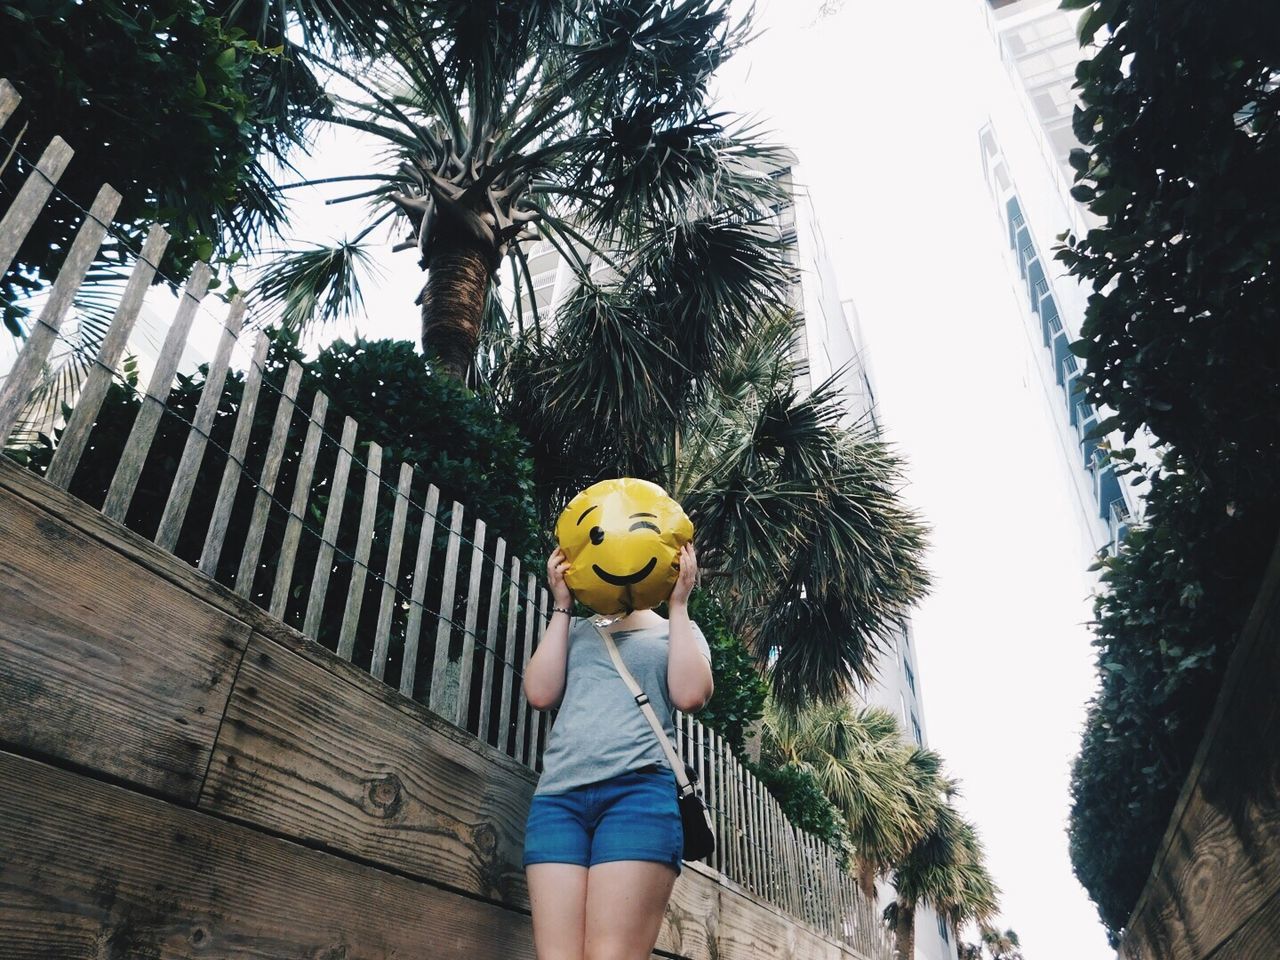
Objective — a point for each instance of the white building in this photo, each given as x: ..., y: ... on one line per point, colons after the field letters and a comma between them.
x: 1025, y: 147
x: 830, y: 342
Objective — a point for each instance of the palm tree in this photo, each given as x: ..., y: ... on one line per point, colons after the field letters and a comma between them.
x: 886, y: 788
x: 947, y: 871
x: 505, y: 120
x: 796, y: 509
x: 1001, y: 945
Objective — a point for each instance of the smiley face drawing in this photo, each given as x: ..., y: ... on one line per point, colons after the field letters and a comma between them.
x: 622, y: 539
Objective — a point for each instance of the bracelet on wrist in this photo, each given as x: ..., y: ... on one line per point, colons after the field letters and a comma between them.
x: 555, y: 610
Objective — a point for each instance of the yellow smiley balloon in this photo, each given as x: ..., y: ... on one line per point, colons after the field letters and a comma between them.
x: 622, y: 539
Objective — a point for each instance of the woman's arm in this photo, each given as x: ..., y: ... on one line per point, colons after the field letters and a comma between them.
x: 544, y: 674
x: 688, y: 672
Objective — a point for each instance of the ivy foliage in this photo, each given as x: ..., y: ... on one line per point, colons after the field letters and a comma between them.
x: 1180, y: 117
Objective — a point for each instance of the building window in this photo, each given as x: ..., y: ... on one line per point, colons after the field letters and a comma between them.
x: 915, y: 729
x: 1028, y: 253
x: 911, y: 678
x: 943, y: 932
x: 902, y: 702
x: 1042, y: 287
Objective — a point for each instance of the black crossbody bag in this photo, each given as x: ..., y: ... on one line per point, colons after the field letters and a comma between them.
x: 699, y: 836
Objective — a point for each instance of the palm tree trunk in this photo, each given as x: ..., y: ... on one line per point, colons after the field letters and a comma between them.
x: 904, y: 930
x: 453, y: 302
x: 867, y: 879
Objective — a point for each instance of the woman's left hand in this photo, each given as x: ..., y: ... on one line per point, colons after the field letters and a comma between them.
x: 687, y: 578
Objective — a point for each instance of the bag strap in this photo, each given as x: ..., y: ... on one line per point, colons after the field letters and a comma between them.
x: 642, y: 701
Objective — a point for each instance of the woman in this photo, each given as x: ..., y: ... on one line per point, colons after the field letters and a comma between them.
x: 603, y: 839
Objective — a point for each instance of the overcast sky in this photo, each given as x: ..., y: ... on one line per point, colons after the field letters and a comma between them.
x: 882, y: 103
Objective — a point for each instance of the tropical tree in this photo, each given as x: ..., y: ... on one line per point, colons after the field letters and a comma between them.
x: 1001, y: 944
x: 796, y: 507
x: 505, y: 120
x: 187, y: 108
x: 945, y: 870
x: 182, y: 105
x: 886, y: 788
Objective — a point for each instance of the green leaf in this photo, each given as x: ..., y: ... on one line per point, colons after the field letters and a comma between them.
x: 201, y: 89
x: 1092, y: 21
x: 226, y: 58
x: 1110, y: 203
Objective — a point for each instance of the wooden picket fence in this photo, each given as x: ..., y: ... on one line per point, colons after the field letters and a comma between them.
x: 427, y: 601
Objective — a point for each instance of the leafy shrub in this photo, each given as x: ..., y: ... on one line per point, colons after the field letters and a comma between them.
x: 165, y: 101
x: 1181, y: 118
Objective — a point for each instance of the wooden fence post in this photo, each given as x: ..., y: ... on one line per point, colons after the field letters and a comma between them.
x: 66, y: 456
x: 26, y: 369
x: 364, y: 544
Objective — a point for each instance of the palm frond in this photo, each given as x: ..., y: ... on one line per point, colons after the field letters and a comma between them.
x: 307, y: 288
x: 887, y: 790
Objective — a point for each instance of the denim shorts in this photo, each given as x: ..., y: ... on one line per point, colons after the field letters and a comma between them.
x: 633, y: 816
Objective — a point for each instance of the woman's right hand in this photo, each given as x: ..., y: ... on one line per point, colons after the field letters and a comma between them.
x: 557, y: 564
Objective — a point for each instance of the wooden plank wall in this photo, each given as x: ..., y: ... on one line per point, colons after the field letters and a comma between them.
x: 1214, y: 890
x: 186, y: 776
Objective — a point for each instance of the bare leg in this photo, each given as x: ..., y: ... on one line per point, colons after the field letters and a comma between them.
x: 626, y: 900
x: 558, y: 897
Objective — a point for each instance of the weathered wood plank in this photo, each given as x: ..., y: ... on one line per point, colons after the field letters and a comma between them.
x: 444, y: 629
x: 25, y: 372
x: 1216, y: 880
x: 509, y: 660
x: 257, y: 529
x: 9, y: 100
x: 751, y: 929
x: 391, y: 573
x: 92, y: 870
x: 490, y: 656
x: 298, y: 506
x: 66, y: 457
x: 136, y: 448
x: 184, y: 479
x: 524, y: 717
x: 467, y: 661
x: 364, y: 544
x: 230, y: 482
x: 541, y: 727
x: 329, y: 536
x: 299, y: 757
x: 93, y: 677
x: 31, y: 199
x: 417, y: 595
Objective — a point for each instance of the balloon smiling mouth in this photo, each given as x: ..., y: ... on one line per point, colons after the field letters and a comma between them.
x: 630, y: 578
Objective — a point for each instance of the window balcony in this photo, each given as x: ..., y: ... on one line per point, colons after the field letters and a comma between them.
x: 1118, y: 518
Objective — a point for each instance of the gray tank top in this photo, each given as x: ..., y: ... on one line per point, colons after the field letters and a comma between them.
x: 599, y: 731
